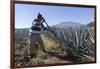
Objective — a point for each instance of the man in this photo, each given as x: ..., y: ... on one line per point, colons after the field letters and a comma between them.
x: 35, y: 37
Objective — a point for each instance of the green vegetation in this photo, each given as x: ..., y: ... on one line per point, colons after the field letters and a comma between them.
x: 77, y: 41
x: 62, y: 46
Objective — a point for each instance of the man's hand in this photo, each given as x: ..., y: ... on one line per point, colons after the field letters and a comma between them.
x: 44, y: 28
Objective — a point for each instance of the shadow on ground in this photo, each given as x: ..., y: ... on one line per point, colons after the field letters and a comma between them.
x: 69, y: 57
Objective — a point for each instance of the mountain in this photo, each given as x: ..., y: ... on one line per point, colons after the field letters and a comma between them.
x: 68, y: 25
x: 91, y: 24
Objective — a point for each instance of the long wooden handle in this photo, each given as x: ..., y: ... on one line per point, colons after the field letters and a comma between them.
x: 49, y: 27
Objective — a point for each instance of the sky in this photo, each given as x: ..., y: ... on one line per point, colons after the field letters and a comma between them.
x: 25, y: 14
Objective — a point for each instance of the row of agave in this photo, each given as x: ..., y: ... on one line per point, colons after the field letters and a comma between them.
x: 79, y: 41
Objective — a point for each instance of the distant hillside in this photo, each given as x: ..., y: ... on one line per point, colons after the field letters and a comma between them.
x: 69, y: 24
x: 21, y: 32
x: 91, y: 24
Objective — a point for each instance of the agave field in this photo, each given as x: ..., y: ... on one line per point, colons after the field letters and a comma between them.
x: 66, y: 45
x: 79, y: 42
